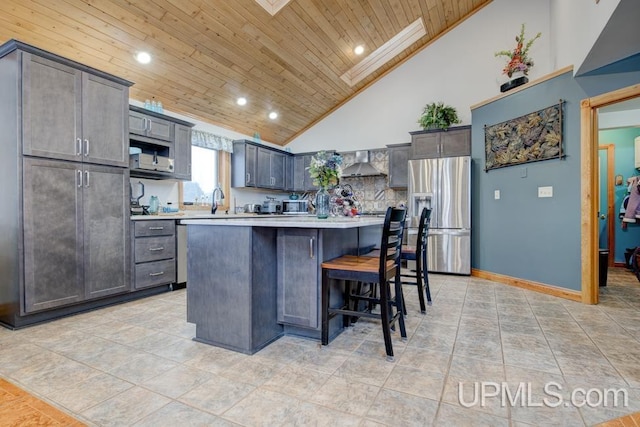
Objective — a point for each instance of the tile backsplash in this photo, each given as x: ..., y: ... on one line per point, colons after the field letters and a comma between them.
x: 373, y: 192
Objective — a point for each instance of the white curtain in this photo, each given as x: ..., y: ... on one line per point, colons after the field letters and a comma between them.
x: 211, y: 141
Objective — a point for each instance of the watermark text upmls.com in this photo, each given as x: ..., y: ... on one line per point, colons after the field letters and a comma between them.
x: 550, y: 395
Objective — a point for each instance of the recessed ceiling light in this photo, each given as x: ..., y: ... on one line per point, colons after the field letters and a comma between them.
x: 273, y: 115
x: 358, y: 50
x: 143, y: 57
x: 242, y: 101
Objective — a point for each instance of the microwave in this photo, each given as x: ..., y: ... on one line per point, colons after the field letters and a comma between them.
x: 151, y: 162
x: 295, y: 207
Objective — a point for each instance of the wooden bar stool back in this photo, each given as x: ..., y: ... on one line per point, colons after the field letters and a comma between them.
x: 418, y: 253
x: 363, y: 269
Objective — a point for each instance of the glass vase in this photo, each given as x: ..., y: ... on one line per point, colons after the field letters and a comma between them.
x: 322, y: 203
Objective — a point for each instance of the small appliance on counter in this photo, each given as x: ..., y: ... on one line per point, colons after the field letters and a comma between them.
x: 252, y: 208
x: 271, y: 206
x: 135, y: 207
x: 295, y: 207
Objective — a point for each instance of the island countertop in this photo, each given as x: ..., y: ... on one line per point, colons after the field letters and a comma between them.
x: 283, y: 221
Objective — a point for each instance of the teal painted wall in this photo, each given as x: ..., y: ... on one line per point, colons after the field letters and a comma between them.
x: 625, y: 166
x: 521, y: 235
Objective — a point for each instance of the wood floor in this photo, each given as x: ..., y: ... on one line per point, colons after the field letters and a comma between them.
x: 19, y: 408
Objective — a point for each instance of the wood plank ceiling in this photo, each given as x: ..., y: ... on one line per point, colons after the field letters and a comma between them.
x: 207, y: 53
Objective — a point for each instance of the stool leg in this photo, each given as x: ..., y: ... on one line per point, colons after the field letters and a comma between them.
x: 419, y: 284
x: 384, y: 318
x: 426, y: 274
x: 400, y: 304
x: 325, y: 307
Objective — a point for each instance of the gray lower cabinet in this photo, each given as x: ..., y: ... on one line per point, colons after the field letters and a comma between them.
x: 154, y: 252
x: 232, y: 292
x: 298, y: 290
x: 70, y: 114
x: 453, y: 142
x: 182, y: 153
x: 399, y: 155
x: 75, y: 228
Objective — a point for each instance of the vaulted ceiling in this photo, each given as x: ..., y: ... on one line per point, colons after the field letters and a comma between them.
x: 207, y: 53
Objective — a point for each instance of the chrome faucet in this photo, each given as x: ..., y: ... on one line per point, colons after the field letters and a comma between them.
x: 214, y: 200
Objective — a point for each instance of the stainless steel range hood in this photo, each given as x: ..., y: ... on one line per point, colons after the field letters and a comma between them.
x: 361, y: 167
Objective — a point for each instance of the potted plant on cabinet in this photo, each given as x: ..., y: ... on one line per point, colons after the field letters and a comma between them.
x: 436, y: 115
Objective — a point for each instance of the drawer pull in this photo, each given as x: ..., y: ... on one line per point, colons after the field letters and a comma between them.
x: 156, y: 228
x: 160, y: 273
x: 161, y: 248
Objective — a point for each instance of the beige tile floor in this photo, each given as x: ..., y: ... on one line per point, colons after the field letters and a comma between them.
x: 135, y: 364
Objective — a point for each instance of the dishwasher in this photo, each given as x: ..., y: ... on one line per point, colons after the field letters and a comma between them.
x: 181, y: 256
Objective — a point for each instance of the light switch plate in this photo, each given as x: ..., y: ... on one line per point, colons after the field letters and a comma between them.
x: 545, y: 191
x: 496, y: 194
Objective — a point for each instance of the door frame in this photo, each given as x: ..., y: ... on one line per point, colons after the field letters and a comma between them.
x: 589, y: 185
x: 611, y: 225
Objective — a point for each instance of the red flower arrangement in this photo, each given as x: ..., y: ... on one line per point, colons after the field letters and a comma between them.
x: 518, y: 58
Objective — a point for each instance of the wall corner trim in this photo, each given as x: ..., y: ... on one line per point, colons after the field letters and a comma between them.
x: 542, y: 79
x: 528, y: 284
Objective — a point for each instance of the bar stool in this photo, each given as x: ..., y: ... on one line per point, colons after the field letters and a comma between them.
x: 363, y: 269
x: 418, y: 254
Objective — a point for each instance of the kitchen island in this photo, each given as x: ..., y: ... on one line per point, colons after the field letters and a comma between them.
x: 254, y: 279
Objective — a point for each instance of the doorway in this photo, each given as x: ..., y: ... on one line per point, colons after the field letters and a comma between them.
x: 589, y: 148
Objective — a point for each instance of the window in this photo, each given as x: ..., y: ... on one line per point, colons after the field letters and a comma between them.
x: 204, y: 176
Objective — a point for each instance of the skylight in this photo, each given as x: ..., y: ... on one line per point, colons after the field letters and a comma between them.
x: 272, y: 6
x: 384, y: 53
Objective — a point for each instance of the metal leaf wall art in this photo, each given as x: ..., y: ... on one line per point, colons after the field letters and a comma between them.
x: 530, y: 138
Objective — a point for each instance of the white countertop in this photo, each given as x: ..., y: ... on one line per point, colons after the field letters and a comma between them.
x: 284, y: 221
x: 191, y: 215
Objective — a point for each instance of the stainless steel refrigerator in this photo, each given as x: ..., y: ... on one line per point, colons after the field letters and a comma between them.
x: 444, y: 185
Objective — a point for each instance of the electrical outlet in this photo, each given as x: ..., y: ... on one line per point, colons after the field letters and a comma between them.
x: 496, y: 194
x: 545, y: 191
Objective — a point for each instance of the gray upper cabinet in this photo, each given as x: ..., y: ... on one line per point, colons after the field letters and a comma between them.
x: 455, y: 141
x: 399, y: 165
x: 70, y: 114
x: 182, y: 153
x: 243, y: 164
x: 104, y: 121
x: 271, y: 169
x: 150, y: 126
x: 256, y: 166
x: 301, y: 179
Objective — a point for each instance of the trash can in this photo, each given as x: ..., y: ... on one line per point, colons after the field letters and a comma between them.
x: 603, y: 266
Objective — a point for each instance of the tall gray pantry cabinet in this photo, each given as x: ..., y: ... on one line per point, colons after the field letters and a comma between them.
x: 65, y: 185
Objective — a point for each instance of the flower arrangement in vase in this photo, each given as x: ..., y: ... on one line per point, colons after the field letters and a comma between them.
x: 325, y: 170
x: 519, y: 60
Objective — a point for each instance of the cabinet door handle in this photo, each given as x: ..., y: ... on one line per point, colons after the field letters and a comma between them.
x: 149, y: 125
x: 79, y: 178
x: 248, y: 177
x: 78, y: 147
x: 86, y: 147
x: 144, y: 124
x: 156, y: 228
x: 156, y: 249
x: 159, y: 273
x: 86, y: 179
x: 311, y: 254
